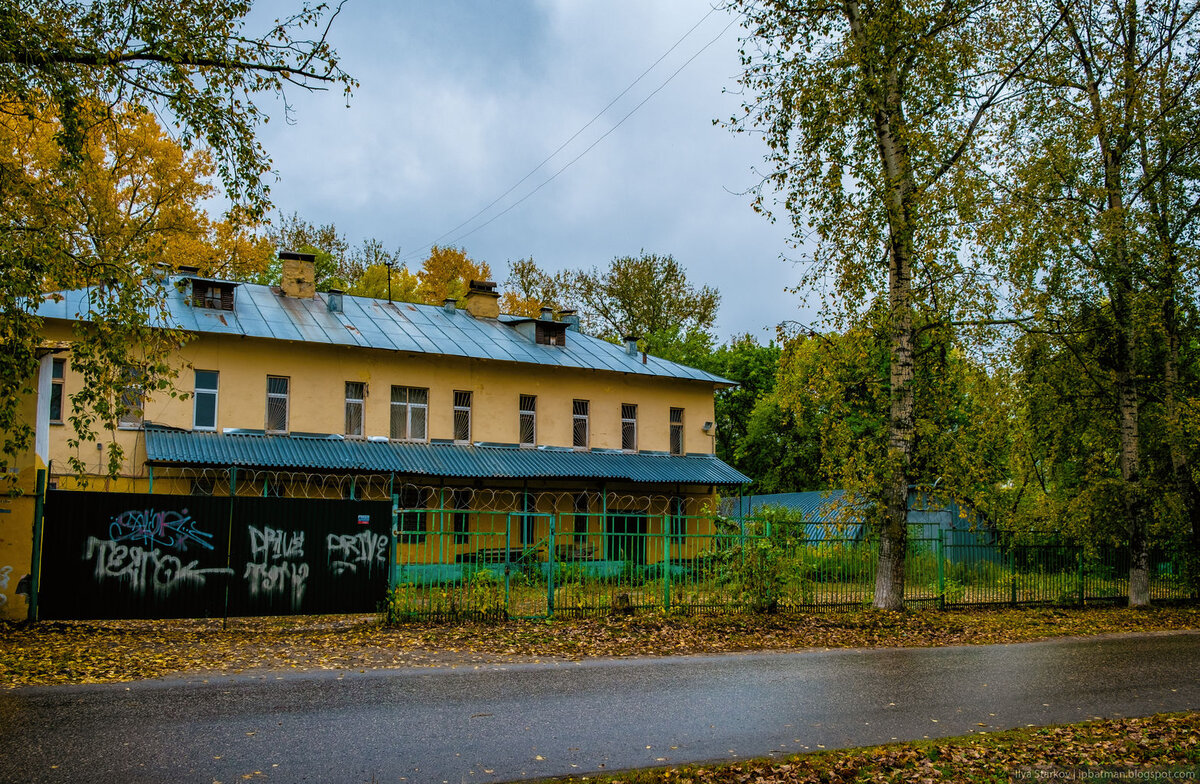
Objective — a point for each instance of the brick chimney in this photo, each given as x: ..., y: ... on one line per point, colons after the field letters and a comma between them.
x: 299, y: 274
x: 482, y: 300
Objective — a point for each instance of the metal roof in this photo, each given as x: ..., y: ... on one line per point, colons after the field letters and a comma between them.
x: 334, y: 453
x: 822, y: 511
x: 263, y: 312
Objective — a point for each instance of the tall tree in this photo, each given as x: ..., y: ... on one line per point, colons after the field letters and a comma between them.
x: 447, y: 272
x: 1102, y: 132
x: 648, y: 296
x: 529, y: 288
x: 194, y: 62
x: 870, y: 110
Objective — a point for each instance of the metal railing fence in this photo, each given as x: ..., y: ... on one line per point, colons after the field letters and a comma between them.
x: 456, y: 563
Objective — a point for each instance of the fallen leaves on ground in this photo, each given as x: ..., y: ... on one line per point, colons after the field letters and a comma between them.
x: 106, y: 651
x: 1092, y: 751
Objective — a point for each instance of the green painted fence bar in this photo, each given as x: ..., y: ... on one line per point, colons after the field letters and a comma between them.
x: 519, y: 564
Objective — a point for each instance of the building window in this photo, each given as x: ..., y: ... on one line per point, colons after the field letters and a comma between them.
x: 58, y: 369
x: 461, y: 501
x: 410, y: 413
x: 462, y: 417
x: 629, y: 427
x: 528, y: 420
x: 579, y: 424
x: 277, y: 404
x: 130, y: 401
x: 677, y: 431
x: 356, y: 392
x: 204, y: 404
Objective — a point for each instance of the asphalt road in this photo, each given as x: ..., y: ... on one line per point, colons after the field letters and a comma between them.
x: 499, y: 723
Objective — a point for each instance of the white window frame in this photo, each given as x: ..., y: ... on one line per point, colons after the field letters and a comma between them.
x: 675, y: 429
x: 58, y: 389
x: 285, y: 396
x: 198, y: 391
x: 629, y: 419
x: 527, y: 410
x: 462, y: 405
x: 361, y: 403
x: 581, y: 414
x: 133, y: 418
x: 408, y: 406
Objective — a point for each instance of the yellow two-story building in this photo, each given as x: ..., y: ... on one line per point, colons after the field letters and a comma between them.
x: 506, y: 431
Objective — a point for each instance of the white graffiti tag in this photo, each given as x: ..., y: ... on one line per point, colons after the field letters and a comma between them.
x: 146, y: 570
x: 347, y: 552
x: 275, y: 567
x: 5, y: 572
x: 166, y: 528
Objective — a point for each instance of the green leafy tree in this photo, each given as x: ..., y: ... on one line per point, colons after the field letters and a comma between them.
x: 1100, y: 156
x: 195, y: 63
x: 870, y: 113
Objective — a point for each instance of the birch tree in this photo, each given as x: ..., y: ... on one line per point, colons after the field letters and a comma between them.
x: 871, y: 111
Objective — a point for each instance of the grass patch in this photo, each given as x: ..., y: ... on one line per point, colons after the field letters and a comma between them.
x: 1165, y: 747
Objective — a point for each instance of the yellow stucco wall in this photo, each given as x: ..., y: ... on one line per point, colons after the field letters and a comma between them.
x: 16, y: 527
x: 318, y: 372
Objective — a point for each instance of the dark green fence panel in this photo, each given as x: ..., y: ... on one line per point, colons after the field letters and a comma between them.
x: 129, y: 555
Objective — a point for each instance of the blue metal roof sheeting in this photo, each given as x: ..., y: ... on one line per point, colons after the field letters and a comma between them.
x: 262, y: 312
x: 333, y: 453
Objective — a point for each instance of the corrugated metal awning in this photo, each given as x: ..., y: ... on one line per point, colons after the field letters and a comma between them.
x: 333, y: 453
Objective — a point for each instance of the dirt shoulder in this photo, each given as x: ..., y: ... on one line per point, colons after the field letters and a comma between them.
x: 63, y: 652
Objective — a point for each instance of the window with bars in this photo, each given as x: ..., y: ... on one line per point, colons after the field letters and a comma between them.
x: 204, y: 405
x: 131, y: 401
x: 462, y: 417
x: 356, y: 393
x: 677, y: 431
x: 528, y: 420
x: 629, y: 427
x: 277, y: 404
x: 579, y: 424
x: 58, y: 368
x: 410, y: 413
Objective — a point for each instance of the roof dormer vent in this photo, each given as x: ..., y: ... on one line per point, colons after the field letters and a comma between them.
x: 333, y: 300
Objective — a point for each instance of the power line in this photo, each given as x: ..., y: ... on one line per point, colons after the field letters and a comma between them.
x: 561, y: 147
x: 552, y: 177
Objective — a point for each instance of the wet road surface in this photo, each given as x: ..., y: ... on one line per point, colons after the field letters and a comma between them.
x: 525, y: 721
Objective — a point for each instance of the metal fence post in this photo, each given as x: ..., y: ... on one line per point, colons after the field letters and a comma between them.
x: 550, y: 561
x: 35, y: 568
x: 1012, y: 560
x: 1079, y: 563
x: 941, y: 568
x: 667, y: 519
x: 394, y: 550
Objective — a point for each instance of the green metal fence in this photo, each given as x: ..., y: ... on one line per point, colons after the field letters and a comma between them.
x: 456, y: 563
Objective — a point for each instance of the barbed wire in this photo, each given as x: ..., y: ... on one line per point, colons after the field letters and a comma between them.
x: 410, y: 495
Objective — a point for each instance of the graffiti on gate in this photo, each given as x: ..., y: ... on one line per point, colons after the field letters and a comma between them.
x: 275, y: 567
x: 346, y: 553
x: 5, y: 573
x: 158, y: 528
x: 146, y: 569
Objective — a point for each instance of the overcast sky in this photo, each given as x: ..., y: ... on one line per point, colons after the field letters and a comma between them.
x: 460, y: 100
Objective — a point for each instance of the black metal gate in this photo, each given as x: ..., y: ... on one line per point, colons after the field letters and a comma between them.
x: 131, y: 555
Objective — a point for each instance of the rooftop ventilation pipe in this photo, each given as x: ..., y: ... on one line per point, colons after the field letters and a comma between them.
x: 631, y: 345
x: 547, y: 314
x: 570, y: 317
x: 449, y: 304
x: 333, y: 300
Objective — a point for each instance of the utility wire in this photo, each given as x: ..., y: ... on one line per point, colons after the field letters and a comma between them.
x: 561, y: 147
x: 570, y: 163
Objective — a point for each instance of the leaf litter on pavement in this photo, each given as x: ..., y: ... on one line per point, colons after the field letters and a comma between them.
x: 58, y: 652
